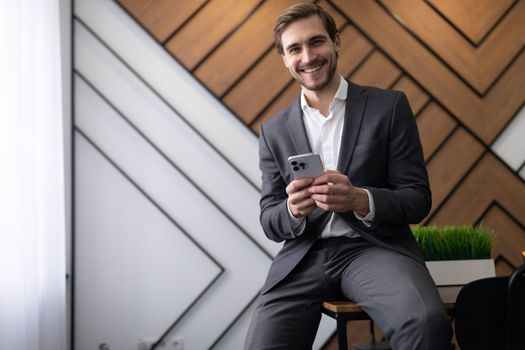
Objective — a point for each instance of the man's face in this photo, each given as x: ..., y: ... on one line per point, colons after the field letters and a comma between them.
x: 309, y: 53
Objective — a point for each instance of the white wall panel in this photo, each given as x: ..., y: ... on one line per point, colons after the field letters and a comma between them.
x: 245, y: 263
x: 131, y: 259
x: 510, y: 145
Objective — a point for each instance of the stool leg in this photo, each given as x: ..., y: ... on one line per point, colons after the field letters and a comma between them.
x: 373, y: 344
x: 372, y: 333
x: 341, y: 334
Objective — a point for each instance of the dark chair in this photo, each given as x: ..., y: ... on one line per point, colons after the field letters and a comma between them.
x: 516, y: 310
x: 490, y: 313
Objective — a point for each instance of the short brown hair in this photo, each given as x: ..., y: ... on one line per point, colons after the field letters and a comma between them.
x: 297, y: 12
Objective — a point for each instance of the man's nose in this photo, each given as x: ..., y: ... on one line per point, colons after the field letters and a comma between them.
x: 308, y: 55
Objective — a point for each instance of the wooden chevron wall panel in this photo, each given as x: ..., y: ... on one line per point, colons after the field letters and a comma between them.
x: 461, y: 64
x: 473, y: 18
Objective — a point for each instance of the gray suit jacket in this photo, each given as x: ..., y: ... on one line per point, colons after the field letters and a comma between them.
x: 380, y: 150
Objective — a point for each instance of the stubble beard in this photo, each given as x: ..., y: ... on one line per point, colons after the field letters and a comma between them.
x: 322, y: 84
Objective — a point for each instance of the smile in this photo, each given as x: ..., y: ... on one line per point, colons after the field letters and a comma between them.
x: 312, y: 69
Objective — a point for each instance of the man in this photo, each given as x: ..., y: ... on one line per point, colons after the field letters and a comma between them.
x: 346, y: 232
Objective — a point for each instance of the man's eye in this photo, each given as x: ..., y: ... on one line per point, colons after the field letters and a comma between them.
x: 293, y: 50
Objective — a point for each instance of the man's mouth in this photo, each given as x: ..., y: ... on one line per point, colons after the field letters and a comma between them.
x: 312, y: 69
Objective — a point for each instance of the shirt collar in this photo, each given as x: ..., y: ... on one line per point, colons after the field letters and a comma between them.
x: 340, y: 94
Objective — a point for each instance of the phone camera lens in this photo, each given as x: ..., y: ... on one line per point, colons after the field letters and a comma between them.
x: 295, y: 168
x: 294, y: 162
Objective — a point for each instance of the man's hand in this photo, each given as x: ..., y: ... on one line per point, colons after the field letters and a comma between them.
x: 333, y: 191
x: 299, y: 197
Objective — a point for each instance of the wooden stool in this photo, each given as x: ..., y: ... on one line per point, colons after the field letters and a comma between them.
x: 344, y: 311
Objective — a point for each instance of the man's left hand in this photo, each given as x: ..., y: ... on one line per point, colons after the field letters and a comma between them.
x: 333, y: 191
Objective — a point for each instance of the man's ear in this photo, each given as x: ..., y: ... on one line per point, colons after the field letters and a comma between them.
x: 283, y: 56
x: 337, y: 42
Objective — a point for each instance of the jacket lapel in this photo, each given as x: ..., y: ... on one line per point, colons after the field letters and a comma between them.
x: 297, y: 130
x: 354, y: 112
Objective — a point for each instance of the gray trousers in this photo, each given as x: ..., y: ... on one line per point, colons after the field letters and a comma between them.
x: 395, y: 290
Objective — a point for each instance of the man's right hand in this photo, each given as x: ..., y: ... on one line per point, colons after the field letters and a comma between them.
x: 299, y: 200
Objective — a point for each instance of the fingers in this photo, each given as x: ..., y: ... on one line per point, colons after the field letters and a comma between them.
x: 331, y: 196
x: 331, y: 207
x: 329, y: 188
x: 332, y: 176
x: 329, y: 199
x: 330, y: 202
x: 330, y: 192
x: 298, y: 185
x: 299, y: 197
x: 302, y: 208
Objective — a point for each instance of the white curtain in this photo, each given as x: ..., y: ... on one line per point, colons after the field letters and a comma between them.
x: 32, y: 194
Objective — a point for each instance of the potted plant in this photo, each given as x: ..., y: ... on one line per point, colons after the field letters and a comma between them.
x: 456, y: 255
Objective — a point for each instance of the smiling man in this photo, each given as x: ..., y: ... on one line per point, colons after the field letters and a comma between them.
x: 346, y: 232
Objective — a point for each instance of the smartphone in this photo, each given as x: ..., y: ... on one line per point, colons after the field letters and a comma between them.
x: 306, y: 165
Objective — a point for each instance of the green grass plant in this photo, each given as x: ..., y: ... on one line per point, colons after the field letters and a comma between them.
x: 454, y: 242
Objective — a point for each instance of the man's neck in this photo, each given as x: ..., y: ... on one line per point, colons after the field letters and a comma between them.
x: 321, y: 99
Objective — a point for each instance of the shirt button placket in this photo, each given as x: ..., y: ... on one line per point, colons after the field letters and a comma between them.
x: 327, y: 156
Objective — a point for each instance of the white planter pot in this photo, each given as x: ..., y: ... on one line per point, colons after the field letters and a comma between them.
x: 460, y: 272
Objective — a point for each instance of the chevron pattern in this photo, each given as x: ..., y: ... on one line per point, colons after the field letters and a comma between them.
x: 461, y: 64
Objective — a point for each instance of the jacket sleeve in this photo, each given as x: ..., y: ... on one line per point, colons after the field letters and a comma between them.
x: 407, y: 198
x: 274, y: 213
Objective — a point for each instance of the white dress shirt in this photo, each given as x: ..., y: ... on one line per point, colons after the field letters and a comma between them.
x: 324, y: 135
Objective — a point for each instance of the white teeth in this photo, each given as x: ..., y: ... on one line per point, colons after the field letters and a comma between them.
x: 313, y: 69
